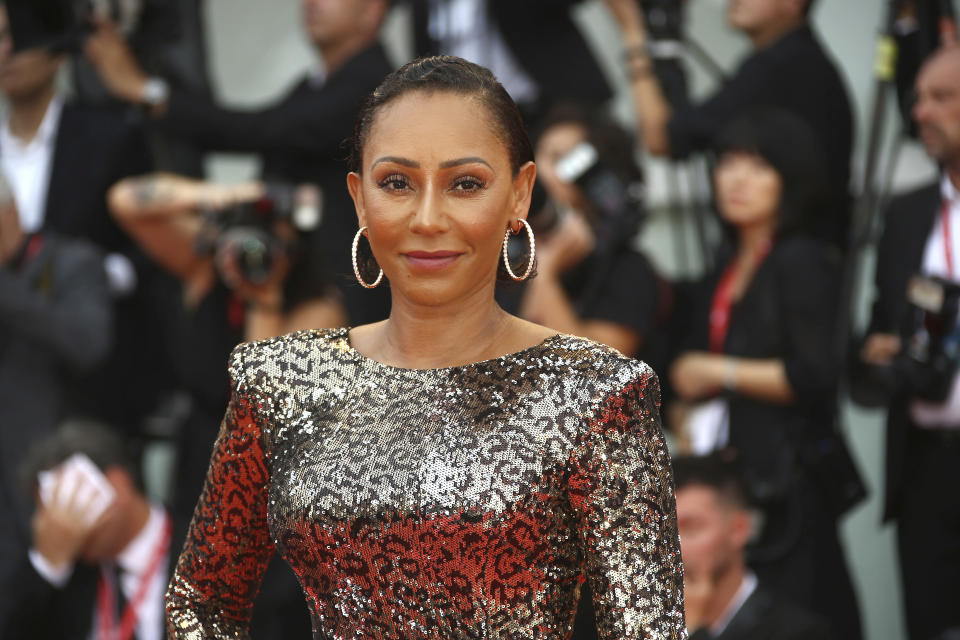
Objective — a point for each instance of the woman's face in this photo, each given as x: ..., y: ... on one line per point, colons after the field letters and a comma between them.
x: 554, y: 144
x: 437, y: 193
x: 748, y: 189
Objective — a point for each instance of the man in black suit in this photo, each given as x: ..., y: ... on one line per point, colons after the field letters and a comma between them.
x: 299, y: 138
x: 723, y: 600
x: 923, y: 433
x: 78, y: 565
x: 787, y: 68
x: 60, y: 159
x: 533, y: 47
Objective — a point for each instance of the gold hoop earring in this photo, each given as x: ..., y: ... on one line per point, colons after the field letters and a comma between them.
x: 533, y: 252
x: 356, y: 266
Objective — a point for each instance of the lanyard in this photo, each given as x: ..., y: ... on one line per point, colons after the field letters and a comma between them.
x: 947, y: 244
x: 108, y: 629
x: 723, y: 301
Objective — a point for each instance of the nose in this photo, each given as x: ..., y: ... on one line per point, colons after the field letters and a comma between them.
x: 428, y: 217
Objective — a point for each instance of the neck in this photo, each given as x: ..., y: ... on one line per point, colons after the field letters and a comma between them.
x: 337, y: 54
x: 135, y: 521
x: 725, y: 589
x: 769, y: 34
x: 752, y: 239
x: 426, y: 337
x: 27, y: 112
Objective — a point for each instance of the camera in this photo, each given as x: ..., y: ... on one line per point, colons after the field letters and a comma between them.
x: 932, y: 353
x: 62, y: 25
x: 617, y: 202
x: 250, y: 228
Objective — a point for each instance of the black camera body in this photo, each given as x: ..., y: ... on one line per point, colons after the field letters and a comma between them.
x: 664, y: 19
x: 250, y: 229
x: 932, y: 353
x: 617, y: 203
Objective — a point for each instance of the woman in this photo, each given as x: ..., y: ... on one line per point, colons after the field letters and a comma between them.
x: 452, y: 471
x: 758, y: 354
x: 590, y: 281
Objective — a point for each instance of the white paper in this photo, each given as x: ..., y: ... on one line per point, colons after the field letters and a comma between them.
x: 82, y: 486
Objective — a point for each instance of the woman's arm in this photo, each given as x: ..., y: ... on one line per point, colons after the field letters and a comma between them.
x: 228, y: 544
x: 698, y: 374
x: 621, y: 490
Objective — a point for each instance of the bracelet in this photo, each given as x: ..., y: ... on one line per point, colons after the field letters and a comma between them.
x: 730, y: 374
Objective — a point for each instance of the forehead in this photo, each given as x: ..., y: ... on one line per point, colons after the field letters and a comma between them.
x: 438, y: 126
x: 941, y: 71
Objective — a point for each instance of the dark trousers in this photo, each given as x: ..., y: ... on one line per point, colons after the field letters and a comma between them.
x: 929, y: 534
x: 800, y: 557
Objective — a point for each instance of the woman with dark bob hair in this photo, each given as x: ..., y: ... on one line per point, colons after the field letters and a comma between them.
x: 452, y: 471
x: 756, y: 370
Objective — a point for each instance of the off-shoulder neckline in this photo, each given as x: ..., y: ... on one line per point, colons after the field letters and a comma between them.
x: 344, y: 335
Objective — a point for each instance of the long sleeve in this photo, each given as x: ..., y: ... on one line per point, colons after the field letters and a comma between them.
x: 66, y: 308
x: 228, y: 544
x: 621, y: 490
x: 808, y: 294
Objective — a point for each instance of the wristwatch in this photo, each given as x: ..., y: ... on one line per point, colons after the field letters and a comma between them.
x: 155, y: 91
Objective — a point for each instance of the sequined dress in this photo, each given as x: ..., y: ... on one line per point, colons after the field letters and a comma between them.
x: 466, y: 502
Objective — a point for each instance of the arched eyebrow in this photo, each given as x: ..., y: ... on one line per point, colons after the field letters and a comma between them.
x: 446, y: 164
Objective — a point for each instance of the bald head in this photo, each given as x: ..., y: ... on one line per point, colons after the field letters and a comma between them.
x: 937, y: 110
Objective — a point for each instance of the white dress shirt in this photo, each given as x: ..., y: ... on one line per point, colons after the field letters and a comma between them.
x: 747, y: 586
x: 928, y: 414
x: 27, y: 165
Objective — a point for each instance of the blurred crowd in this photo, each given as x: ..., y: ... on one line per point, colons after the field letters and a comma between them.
x: 127, y: 276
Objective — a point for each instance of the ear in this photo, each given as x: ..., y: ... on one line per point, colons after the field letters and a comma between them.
x: 741, y: 528
x: 355, y: 187
x: 523, y: 190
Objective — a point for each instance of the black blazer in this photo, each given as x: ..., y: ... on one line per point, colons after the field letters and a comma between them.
x: 909, y: 221
x: 544, y: 40
x: 95, y: 148
x: 766, y: 616
x: 788, y: 312
x: 40, y: 611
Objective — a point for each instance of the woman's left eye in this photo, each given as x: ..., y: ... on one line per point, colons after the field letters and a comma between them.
x: 468, y: 184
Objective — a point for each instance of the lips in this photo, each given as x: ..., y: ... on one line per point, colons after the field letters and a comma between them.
x: 431, y: 260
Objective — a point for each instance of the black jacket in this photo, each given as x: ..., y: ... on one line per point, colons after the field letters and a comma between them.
x: 908, y: 222
x: 787, y: 312
x: 766, y: 616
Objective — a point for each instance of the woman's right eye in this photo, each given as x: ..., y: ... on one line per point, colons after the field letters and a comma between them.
x: 394, y: 182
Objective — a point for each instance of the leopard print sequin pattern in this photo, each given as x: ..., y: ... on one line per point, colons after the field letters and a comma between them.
x: 468, y: 502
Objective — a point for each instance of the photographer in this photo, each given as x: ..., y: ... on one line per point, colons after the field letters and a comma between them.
x: 96, y: 540
x: 908, y: 363
x: 756, y: 367
x: 787, y: 68
x: 590, y: 281
x: 165, y: 214
x: 299, y: 137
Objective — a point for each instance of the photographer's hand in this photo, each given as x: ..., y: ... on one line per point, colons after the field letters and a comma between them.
x: 118, y: 68
x: 566, y: 246
x: 61, y: 527
x: 879, y: 349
